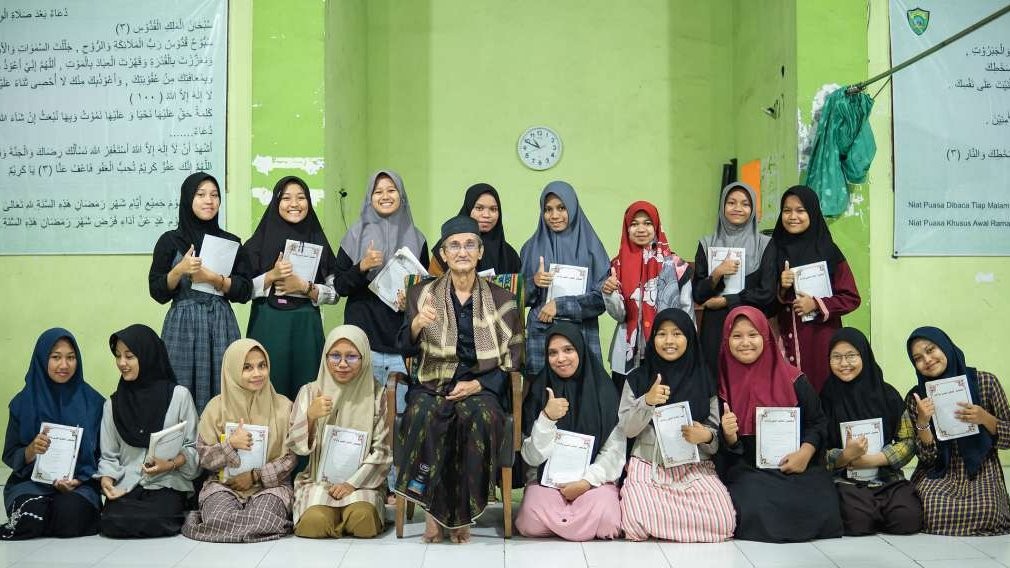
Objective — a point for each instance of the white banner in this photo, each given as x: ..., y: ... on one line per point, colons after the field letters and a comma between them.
x: 105, y: 107
x: 951, y: 130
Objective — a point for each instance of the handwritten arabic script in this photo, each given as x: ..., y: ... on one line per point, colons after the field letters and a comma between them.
x: 104, y: 109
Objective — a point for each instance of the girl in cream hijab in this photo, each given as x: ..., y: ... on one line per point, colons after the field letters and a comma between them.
x: 253, y: 506
x: 345, y: 395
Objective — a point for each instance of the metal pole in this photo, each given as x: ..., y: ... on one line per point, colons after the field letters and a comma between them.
x: 860, y: 86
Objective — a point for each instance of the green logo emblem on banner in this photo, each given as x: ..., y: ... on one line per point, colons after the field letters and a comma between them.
x: 918, y: 20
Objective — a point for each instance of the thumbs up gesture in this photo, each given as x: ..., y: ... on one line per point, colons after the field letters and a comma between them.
x: 371, y: 259
x: 281, y: 269
x: 787, y: 278
x: 240, y: 439
x: 320, y: 406
x: 190, y: 263
x: 658, y: 393
x: 611, y: 284
x: 729, y: 426
x: 556, y: 408
x: 925, y: 409
x: 542, y: 278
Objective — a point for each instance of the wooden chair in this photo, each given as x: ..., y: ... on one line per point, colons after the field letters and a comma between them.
x: 513, y: 417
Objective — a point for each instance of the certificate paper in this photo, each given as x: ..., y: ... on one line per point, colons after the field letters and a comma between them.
x: 778, y: 434
x: 733, y: 282
x: 60, y: 460
x: 342, y: 454
x: 390, y: 279
x: 873, y: 430
x: 568, y: 281
x: 216, y: 254
x: 167, y: 443
x: 569, y: 459
x: 945, y: 394
x: 668, y: 421
x: 253, y: 458
x: 304, y: 259
x: 814, y: 280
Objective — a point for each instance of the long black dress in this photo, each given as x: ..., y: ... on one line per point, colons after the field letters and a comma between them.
x: 776, y: 507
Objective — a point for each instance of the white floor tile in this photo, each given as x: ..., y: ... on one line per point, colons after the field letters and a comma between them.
x: 522, y: 553
x: 218, y: 554
x: 489, y: 554
x: 997, y: 547
x: 85, y: 550
x: 11, y: 552
x: 713, y: 555
x: 38, y: 564
x: 398, y: 553
x: 154, y: 552
x: 978, y: 563
x: 621, y: 553
x: 920, y: 547
x: 764, y: 554
x: 292, y: 552
x: 858, y: 551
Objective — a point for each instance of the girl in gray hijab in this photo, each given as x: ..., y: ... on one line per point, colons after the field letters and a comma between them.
x: 737, y: 227
x: 564, y: 235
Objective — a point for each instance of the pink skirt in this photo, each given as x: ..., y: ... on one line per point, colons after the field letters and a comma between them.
x: 686, y: 503
x: 594, y: 514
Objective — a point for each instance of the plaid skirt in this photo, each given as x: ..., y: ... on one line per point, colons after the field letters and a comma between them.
x: 223, y: 518
x: 197, y: 330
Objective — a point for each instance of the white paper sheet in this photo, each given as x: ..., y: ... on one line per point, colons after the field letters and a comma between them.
x: 668, y: 421
x: 813, y: 280
x: 873, y: 430
x: 253, y: 458
x: 342, y: 454
x: 216, y: 254
x: 568, y: 281
x: 734, y: 283
x: 390, y: 279
x: 304, y: 259
x: 60, y: 460
x: 778, y: 434
x: 569, y: 459
x: 167, y: 443
x: 945, y: 394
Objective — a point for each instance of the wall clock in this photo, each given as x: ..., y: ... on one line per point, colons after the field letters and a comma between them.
x: 539, y: 148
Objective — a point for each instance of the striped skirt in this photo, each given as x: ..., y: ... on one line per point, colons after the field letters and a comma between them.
x: 686, y: 503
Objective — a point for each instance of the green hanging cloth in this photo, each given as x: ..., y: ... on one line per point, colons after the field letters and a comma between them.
x: 843, y: 149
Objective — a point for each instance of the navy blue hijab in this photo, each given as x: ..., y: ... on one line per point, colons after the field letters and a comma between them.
x: 73, y: 403
x: 973, y: 449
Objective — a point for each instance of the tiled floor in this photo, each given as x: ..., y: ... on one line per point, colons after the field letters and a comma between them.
x: 489, y: 550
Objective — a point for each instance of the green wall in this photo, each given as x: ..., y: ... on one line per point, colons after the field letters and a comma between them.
x: 641, y: 95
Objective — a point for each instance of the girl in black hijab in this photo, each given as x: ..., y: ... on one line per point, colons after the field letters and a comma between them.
x: 145, y: 497
x: 801, y: 238
x: 285, y: 313
x: 872, y: 490
x: 200, y: 324
x: 483, y: 205
x: 572, y: 393
x: 684, y: 502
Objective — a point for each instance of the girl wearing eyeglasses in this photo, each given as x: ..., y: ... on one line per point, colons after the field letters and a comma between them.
x: 344, y: 396
x: 872, y: 491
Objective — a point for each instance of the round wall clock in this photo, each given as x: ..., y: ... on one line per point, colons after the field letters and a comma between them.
x: 539, y: 147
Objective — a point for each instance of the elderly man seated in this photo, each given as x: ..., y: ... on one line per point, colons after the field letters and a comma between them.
x: 468, y: 335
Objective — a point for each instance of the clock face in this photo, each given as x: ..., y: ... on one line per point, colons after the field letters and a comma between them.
x: 539, y: 147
